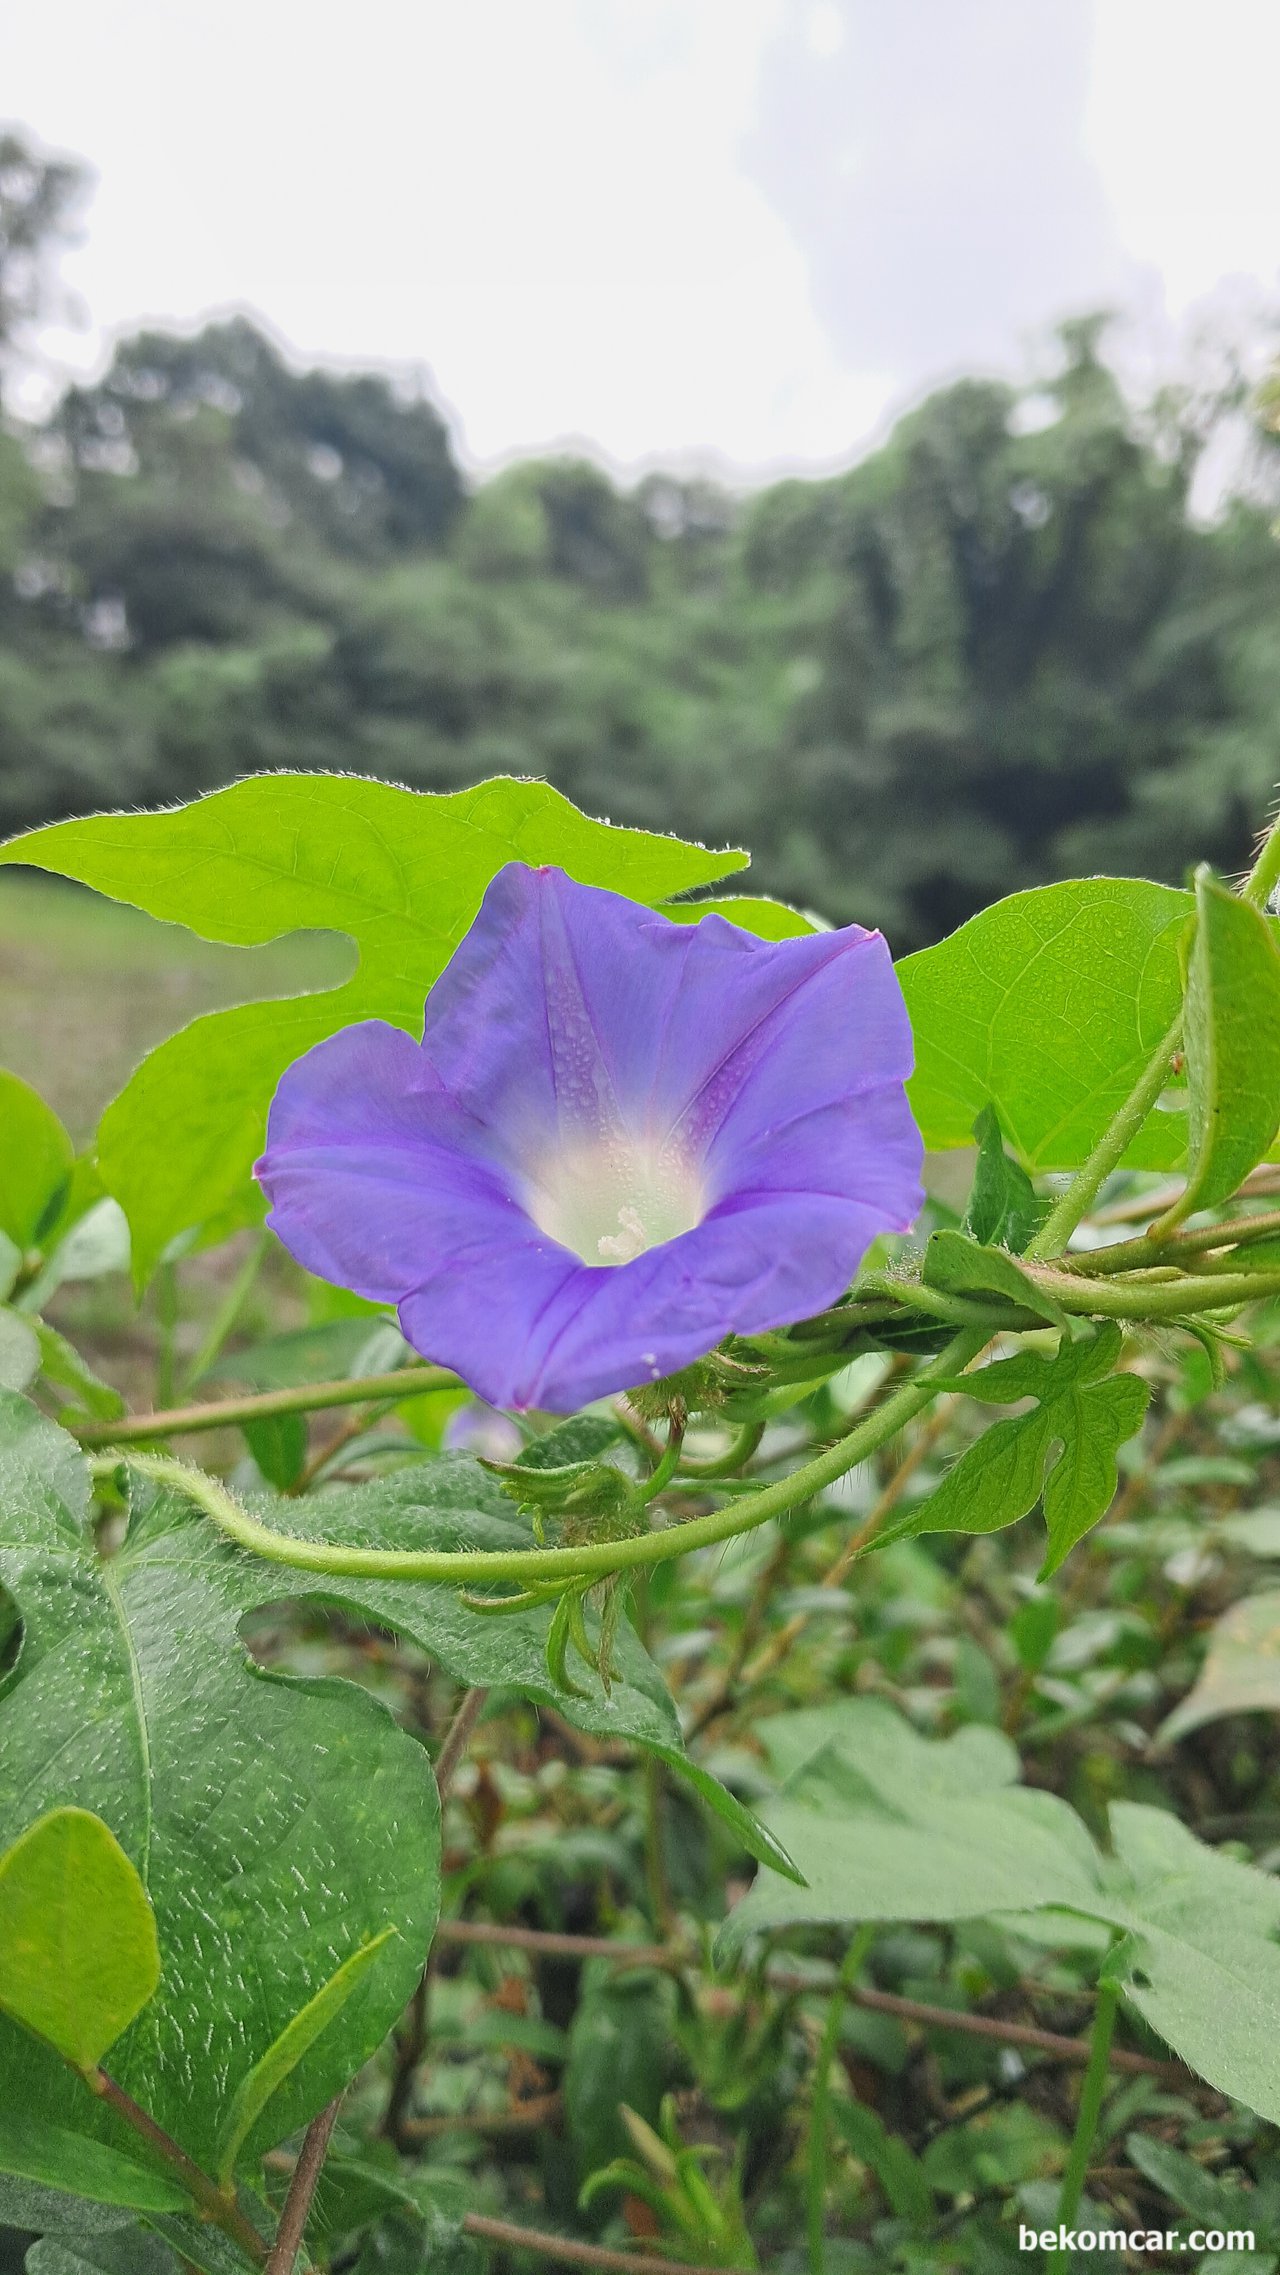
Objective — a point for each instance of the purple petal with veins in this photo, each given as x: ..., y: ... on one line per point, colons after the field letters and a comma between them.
x: 619, y: 1140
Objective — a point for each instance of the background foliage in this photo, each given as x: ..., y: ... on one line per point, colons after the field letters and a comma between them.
x: 1001, y: 649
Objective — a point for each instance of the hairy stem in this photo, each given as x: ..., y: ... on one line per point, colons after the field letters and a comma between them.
x: 1264, y: 877
x: 592, y: 1559
x: 301, y: 1398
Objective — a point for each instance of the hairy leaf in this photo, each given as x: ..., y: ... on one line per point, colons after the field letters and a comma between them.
x: 276, y: 1825
x: 888, y: 1825
x: 1048, y: 1006
x: 964, y: 1267
x: 401, y: 872
x: 284, y: 2054
x: 78, y: 1952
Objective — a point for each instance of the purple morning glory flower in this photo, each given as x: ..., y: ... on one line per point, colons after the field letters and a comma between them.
x: 619, y: 1140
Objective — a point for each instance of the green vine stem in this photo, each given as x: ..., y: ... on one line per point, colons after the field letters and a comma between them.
x: 1109, y: 1151
x: 298, y: 1398
x: 589, y: 1560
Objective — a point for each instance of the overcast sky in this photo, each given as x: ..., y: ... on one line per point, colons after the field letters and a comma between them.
x: 733, y: 230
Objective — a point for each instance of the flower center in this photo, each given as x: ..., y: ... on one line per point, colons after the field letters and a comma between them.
x: 611, y: 1198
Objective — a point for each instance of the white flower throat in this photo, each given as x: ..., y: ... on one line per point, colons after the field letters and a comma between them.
x: 609, y: 1198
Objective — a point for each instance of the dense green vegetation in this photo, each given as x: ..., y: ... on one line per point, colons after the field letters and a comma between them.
x: 998, y: 651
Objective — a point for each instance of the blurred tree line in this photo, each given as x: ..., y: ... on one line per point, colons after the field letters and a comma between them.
x: 1001, y: 649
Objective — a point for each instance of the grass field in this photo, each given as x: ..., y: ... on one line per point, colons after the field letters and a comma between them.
x: 88, y: 987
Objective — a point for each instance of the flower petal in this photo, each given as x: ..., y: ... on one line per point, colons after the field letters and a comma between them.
x: 366, y: 1158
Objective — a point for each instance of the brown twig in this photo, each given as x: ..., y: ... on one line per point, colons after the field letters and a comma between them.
x: 550, y: 1944
x: 302, y: 2188
x: 220, y: 2209
x: 306, y: 1398
x: 458, y: 1736
x: 581, y: 2254
x: 987, y: 2026
x: 675, y: 1955
x: 411, y: 2043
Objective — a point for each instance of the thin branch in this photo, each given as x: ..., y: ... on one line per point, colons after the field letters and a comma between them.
x: 675, y: 1955
x: 576, y: 2254
x: 298, y: 1398
x: 1050, y: 2042
x: 302, y: 2188
x: 218, y: 2208
x: 458, y: 1736
x: 411, y: 2042
x: 551, y: 1944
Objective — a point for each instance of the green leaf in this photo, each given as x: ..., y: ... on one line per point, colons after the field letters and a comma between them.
x: 450, y: 1502
x: 276, y: 1824
x: 400, y: 872
x: 278, y: 1443
x: 767, y: 919
x: 962, y: 1267
x: 33, y: 2148
x: 1003, y: 1204
x: 19, y: 1351
x: 1048, y: 1007
x: 78, y: 1951
x: 1201, y: 1956
x: 62, y: 1366
x: 35, y: 1162
x: 1241, y: 1671
x: 1064, y: 1451
x: 283, y: 2056
x: 900, y: 2174
x: 999, y: 2149
x: 121, y: 2251
x: 328, y: 1353
x: 1232, y: 1036
x: 888, y: 1825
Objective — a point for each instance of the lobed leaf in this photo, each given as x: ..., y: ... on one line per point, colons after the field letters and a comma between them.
x: 400, y: 872
x: 1064, y: 1450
